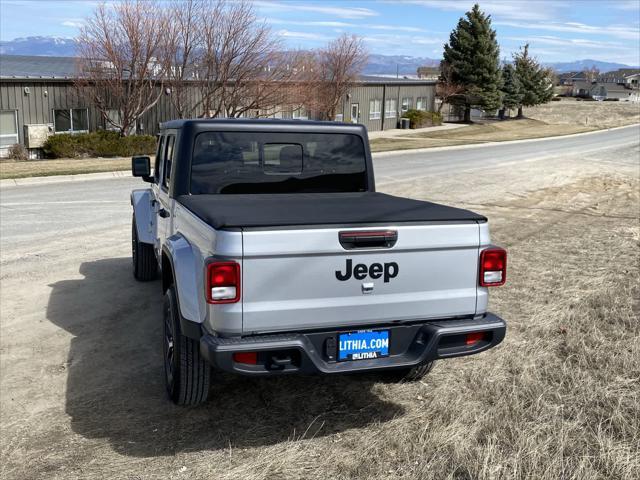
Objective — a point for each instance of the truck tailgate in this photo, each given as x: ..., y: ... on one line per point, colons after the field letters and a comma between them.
x: 298, y: 278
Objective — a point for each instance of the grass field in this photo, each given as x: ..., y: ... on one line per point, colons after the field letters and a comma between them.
x: 554, y: 118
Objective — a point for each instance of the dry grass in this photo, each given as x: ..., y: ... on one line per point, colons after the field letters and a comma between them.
x: 560, y: 399
x: 555, y: 118
x: 591, y: 114
x: 63, y: 166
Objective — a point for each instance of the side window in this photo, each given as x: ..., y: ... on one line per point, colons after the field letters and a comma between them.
x: 159, y: 158
x: 168, y: 160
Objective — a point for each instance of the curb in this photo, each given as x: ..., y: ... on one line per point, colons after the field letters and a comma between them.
x: 15, y: 182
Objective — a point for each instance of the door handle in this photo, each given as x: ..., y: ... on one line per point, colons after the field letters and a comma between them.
x: 164, y: 213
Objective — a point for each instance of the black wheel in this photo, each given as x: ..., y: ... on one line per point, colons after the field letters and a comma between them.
x: 187, y: 374
x: 145, y: 265
x: 407, y: 374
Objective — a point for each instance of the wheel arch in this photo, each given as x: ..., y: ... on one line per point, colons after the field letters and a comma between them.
x: 180, y: 269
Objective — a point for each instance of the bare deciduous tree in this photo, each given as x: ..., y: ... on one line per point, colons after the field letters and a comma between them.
x: 118, y: 48
x: 592, y: 74
x: 446, y: 88
x: 180, y: 49
x: 337, y: 68
x: 243, y: 68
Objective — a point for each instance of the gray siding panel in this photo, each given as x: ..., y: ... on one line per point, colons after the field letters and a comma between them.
x: 38, y: 107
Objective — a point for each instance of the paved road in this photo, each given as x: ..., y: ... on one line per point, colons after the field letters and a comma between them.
x: 39, y: 213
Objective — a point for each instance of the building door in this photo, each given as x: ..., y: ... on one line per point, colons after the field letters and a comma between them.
x: 355, y: 112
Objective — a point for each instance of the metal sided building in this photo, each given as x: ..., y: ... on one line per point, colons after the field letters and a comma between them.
x: 38, y: 98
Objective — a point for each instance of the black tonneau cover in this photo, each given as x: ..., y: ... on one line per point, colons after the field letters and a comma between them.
x: 265, y: 210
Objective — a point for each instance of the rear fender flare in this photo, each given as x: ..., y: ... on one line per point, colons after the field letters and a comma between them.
x: 188, y: 275
x: 145, y: 215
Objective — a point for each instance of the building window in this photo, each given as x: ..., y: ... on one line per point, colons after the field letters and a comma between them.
x: 8, y: 128
x: 390, y: 108
x: 421, y: 103
x: 113, y: 115
x: 374, y: 109
x: 406, y: 104
x: 72, y: 120
x: 300, y: 114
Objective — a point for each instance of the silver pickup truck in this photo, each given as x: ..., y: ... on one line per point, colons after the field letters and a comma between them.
x: 277, y: 256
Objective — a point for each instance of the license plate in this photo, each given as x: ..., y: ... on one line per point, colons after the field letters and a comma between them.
x: 363, y: 345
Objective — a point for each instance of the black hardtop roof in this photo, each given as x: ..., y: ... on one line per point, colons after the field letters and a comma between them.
x: 266, y: 123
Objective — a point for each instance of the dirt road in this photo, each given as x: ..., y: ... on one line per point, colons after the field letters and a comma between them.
x: 81, y: 370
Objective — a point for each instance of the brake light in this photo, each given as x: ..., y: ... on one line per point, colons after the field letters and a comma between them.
x: 493, y: 267
x: 473, y: 338
x: 223, y: 282
x: 249, y: 358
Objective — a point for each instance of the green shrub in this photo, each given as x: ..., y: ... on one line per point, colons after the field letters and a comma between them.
x: 420, y: 118
x: 98, y: 144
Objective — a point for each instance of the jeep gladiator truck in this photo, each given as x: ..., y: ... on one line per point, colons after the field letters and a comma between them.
x: 277, y: 256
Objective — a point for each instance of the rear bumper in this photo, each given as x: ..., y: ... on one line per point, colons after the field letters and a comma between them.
x: 315, y: 352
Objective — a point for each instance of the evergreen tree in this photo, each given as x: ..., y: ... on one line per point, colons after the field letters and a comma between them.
x: 535, y: 80
x: 511, y: 88
x: 472, y: 54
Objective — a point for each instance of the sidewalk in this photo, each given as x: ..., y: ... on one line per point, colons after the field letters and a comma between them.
x: 396, y: 132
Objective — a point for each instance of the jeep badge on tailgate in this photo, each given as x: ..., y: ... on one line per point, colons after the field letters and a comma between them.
x: 376, y: 270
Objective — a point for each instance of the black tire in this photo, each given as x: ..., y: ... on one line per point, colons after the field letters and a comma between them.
x: 187, y: 375
x: 145, y: 265
x: 413, y: 374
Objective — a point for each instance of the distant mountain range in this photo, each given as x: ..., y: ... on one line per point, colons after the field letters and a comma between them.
x: 385, y: 65
x: 40, y: 46
x: 401, y: 65
x: 581, y: 65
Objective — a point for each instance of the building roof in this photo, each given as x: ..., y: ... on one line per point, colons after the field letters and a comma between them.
x: 616, y: 88
x: 66, y: 68
x: 26, y: 66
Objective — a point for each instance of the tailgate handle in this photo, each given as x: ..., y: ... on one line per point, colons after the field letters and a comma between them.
x: 368, y: 239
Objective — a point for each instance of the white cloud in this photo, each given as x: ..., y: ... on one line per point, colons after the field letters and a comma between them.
x: 333, y: 24
x: 303, y: 35
x: 618, y: 31
x: 278, y: 21
x: 395, y: 28
x: 340, y: 12
x: 631, y: 5
x: 567, y: 42
x: 401, y: 41
x: 73, y: 23
x: 544, y: 9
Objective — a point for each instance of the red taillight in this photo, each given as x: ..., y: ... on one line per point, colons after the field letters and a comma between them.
x: 223, y: 282
x: 250, y: 358
x: 473, y: 338
x: 493, y: 267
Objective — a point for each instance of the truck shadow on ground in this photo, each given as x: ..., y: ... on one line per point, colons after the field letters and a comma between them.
x: 115, y: 385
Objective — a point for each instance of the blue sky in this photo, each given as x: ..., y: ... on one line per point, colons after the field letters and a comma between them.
x: 560, y: 30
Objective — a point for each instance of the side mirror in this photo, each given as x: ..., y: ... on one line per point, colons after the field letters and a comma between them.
x: 141, y: 167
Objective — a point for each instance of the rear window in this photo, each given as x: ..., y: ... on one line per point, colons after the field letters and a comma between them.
x: 242, y: 162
